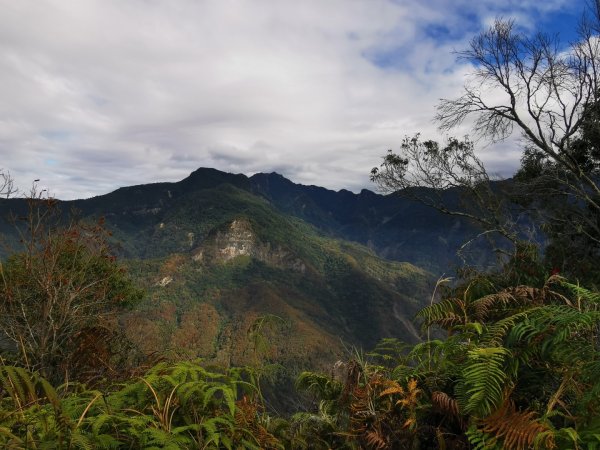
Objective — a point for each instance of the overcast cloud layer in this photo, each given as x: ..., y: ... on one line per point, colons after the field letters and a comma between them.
x: 101, y: 94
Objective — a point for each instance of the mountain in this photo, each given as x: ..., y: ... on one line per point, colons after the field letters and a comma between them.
x: 393, y: 226
x: 229, y: 260
x: 217, y: 253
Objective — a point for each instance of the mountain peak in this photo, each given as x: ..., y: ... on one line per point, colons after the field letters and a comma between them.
x: 367, y: 193
x: 206, y: 177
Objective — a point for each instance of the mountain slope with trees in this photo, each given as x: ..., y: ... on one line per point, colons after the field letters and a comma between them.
x: 213, y: 258
x: 394, y: 226
x: 509, y: 357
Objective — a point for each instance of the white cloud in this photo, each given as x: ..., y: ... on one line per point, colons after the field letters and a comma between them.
x: 98, y: 94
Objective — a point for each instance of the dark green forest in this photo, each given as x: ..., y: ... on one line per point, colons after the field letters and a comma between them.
x: 105, y: 344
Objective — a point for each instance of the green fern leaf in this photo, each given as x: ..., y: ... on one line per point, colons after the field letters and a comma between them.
x: 484, y: 381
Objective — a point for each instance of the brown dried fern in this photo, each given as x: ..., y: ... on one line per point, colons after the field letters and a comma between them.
x: 376, y: 440
x: 445, y: 403
x: 483, y: 305
x: 515, y: 297
x: 394, y: 388
x: 353, y: 373
x: 246, y: 417
x: 449, y: 406
x: 517, y: 429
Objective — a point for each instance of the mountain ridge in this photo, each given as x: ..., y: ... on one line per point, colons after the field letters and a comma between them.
x: 394, y: 226
x: 214, y: 254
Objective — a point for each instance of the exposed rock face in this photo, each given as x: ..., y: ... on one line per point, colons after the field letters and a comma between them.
x: 240, y: 240
x: 164, y: 281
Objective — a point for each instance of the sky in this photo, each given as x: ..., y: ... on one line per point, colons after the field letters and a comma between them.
x: 99, y: 94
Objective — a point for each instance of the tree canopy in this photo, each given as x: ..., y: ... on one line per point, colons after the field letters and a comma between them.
x: 60, y: 288
x: 547, y: 91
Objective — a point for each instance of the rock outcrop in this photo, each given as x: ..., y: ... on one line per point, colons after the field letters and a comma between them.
x: 239, y: 239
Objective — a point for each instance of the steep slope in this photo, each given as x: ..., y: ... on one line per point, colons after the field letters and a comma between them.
x: 394, y: 226
x: 224, y: 243
x: 214, y: 257
x: 326, y: 291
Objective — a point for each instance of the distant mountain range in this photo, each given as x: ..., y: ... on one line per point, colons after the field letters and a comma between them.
x: 393, y: 226
x: 216, y: 251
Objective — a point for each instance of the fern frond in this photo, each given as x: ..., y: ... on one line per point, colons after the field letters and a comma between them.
x: 518, y: 430
x: 558, y: 331
x: 227, y: 393
x: 395, y: 388
x: 484, y: 380
x: 483, y: 305
x: 480, y: 440
x: 80, y: 441
x: 375, y: 440
x: 583, y: 296
x: 446, y: 313
x: 25, y: 388
x: 106, y: 441
x: 445, y: 403
x: 18, y: 384
x: 322, y: 386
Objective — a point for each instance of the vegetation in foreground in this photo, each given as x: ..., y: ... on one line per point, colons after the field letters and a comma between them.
x: 518, y: 369
x: 509, y: 359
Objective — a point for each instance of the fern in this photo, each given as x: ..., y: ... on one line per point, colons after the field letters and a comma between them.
x: 24, y: 387
x: 484, y: 381
x: 447, y: 313
x: 81, y: 441
x: 496, y: 332
x: 558, y: 332
x: 227, y: 393
x: 322, y: 386
x: 584, y: 297
x: 517, y: 430
x: 481, y: 441
x: 446, y: 404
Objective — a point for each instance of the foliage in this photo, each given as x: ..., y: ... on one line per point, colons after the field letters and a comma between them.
x: 177, y: 406
x: 424, y: 169
x: 519, y: 364
x: 62, y: 287
x: 518, y: 370
x: 547, y: 91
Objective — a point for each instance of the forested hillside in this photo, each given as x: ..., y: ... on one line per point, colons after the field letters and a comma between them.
x: 396, y: 227
x: 226, y: 311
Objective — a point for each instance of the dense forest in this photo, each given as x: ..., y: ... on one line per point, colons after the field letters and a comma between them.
x: 507, y: 358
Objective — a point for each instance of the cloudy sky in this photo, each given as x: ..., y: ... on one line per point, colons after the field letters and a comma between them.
x: 98, y: 94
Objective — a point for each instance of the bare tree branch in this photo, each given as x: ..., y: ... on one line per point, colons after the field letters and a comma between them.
x: 7, y: 187
x: 426, y: 171
x: 551, y: 95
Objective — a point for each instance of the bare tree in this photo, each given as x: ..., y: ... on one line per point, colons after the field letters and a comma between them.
x: 545, y: 90
x: 60, y: 288
x: 7, y: 187
x: 548, y: 93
